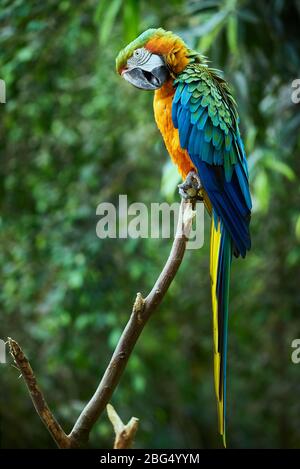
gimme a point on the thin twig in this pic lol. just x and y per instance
(124, 433)
(36, 395)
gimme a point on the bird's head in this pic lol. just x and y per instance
(152, 58)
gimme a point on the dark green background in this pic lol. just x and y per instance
(73, 134)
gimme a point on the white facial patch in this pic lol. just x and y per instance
(145, 60)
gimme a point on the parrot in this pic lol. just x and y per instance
(196, 114)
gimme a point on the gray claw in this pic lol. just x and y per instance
(191, 187)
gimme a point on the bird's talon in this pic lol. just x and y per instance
(191, 188)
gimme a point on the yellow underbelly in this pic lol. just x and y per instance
(162, 105)
(163, 115)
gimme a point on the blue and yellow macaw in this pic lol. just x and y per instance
(197, 116)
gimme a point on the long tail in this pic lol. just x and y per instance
(220, 266)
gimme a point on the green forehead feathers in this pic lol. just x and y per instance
(140, 41)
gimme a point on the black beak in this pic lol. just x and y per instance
(146, 80)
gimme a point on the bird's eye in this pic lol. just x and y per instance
(136, 53)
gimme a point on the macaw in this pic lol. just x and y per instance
(197, 117)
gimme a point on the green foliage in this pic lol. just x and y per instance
(105, 16)
(73, 135)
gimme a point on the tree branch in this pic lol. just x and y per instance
(36, 395)
(141, 312)
(124, 433)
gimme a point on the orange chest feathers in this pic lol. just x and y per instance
(163, 115)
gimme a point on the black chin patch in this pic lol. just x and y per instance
(160, 74)
(150, 78)
(145, 79)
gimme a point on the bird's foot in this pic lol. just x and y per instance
(191, 188)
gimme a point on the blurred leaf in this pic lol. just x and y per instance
(131, 19)
(105, 16)
(210, 29)
(170, 180)
(248, 15)
(297, 228)
(139, 383)
(262, 190)
(215, 21)
(114, 337)
(280, 167)
(232, 34)
(196, 6)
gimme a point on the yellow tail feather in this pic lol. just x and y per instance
(215, 239)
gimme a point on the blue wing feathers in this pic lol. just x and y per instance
(243, 182)
(210, 147)
(218, 157)
(178, 91)
(193, 140)
(175, 115)
(228, 140)
(195, 106)
(185, 130)
(202, 121)
(217, 137)
(182, 113)
(195, 116)
(199, 142)
(185, 96)
(208, 132)
(225, 200)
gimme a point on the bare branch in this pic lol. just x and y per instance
(124, 433)
(36, 395)
(141, 312)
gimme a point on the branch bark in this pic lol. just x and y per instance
(141, 312)
(22, 363)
